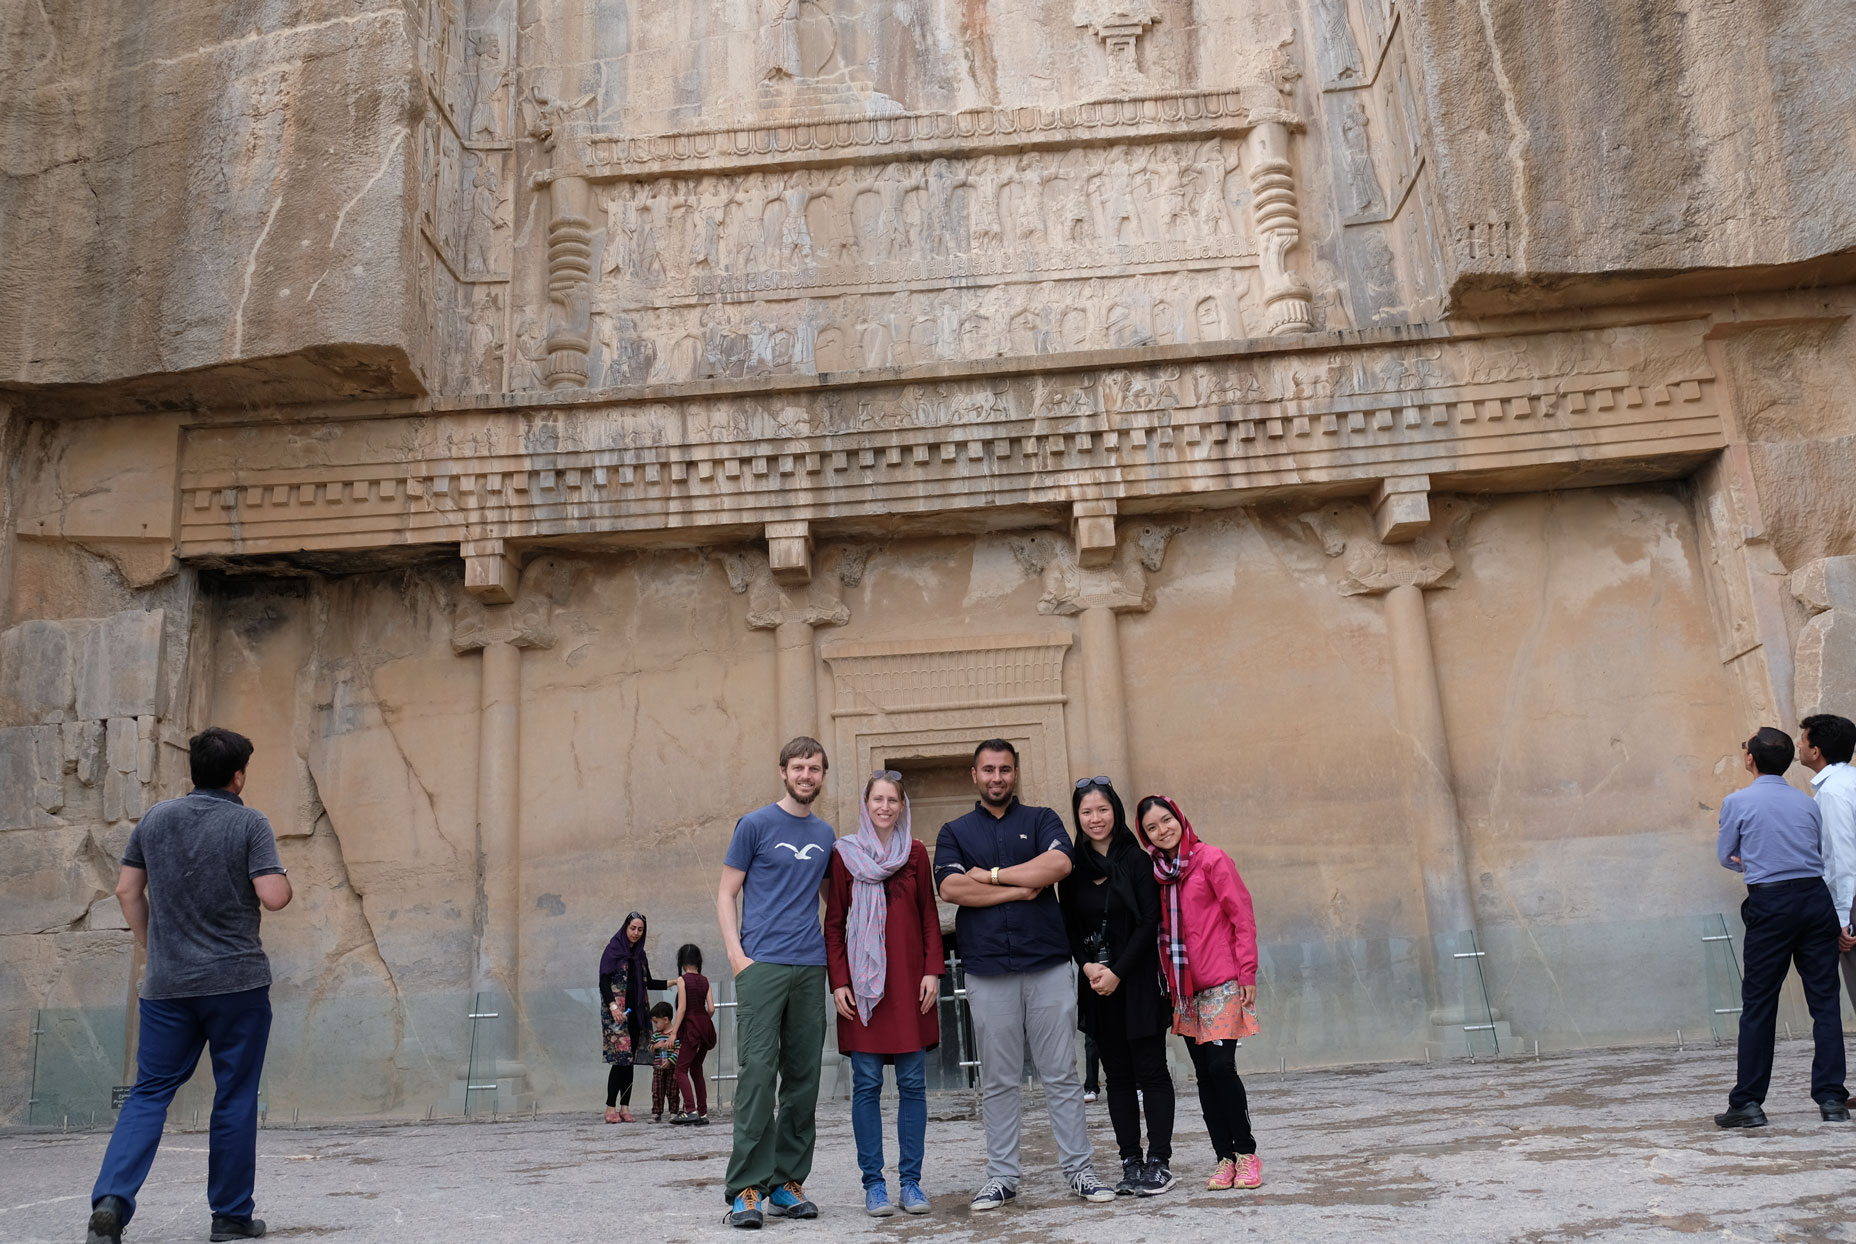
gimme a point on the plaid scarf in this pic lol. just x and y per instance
(1171, 873)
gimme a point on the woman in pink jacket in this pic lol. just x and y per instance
(1208, 953)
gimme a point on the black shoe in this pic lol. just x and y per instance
(1834, 1111)
(227, 1228)
(1749, 1115)
(1159, 1179)
(106, 1220)
(1133, 1172)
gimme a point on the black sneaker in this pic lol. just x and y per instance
(1133, 1175)
(106, 1219)
(228, 1228)
(1085, 1184)
(1157, 1179)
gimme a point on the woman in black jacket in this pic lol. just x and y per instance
(1111, 905)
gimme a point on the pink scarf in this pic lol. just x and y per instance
(871, 864)
(1171, 874)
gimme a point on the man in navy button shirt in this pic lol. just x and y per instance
(998, 864)
(1770, 831)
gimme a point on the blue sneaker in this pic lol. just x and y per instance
(913, 1202)
(876, 1201)
(789, 1201)
(746, 1212)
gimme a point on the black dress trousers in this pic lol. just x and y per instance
(1789, 923)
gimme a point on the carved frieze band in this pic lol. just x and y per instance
(1189, 430)
(919, 135)
(917, 676)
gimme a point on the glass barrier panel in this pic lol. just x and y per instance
(78, 1060)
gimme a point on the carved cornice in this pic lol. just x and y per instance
(974, 131)
(1184, 433)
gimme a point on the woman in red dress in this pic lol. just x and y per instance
(883, 953)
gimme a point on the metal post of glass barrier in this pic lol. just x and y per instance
(963, 1013)
(719, 1075)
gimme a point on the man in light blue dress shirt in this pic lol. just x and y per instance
(1771, 831)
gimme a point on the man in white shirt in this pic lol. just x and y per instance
(1825, 743)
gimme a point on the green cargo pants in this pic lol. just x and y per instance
(779, 1030)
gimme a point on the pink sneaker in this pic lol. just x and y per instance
(1224, 1176)
(1249, 1171)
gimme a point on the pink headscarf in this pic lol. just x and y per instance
(870, 864)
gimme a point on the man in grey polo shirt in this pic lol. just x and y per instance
(194, 876)
(1770, 831)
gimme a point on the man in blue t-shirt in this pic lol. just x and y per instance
(776, 864)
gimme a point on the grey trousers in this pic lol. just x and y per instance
(1011, 1012)
(1849, 974)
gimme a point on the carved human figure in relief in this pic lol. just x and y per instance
(795, 233)
(485, 351)
(1363, 188)
(1025, 216)
(985, 230)
(485, 219)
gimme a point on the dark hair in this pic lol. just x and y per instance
(1115, 805)
(802, 747)
(996, 745)
(1771, 750)
(663, 1010)
(1832, 735)
(1147, 804)
(689, 955)
(217, 755)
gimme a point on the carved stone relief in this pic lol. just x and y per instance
(1391, 253)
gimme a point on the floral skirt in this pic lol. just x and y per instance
(615, 1039)
(1215, 1014)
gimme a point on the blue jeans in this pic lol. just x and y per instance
(911, 1114)
(236, 1028)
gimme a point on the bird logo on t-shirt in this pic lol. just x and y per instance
(799, 853)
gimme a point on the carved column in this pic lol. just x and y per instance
(1401, 573)
(570, 270)
(1096, 577)
(1278, 222)
(785, 598)
(500, 632)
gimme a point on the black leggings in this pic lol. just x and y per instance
(1222, 1097)
(1136, 1064)
(619, 1086)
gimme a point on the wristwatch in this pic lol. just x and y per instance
(995, 874)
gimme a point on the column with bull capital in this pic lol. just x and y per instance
(1100, 574)
(500, 620)
(784, 597)
(1398, 552)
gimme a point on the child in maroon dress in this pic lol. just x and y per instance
(694, 1024)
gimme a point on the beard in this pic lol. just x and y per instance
(1004, 798)
(804, 800)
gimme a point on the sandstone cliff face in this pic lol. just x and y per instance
(1585, 148)
(1138, 379)
(211, 186)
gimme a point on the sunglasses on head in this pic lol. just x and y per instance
(1097, 780)
(887, 775)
